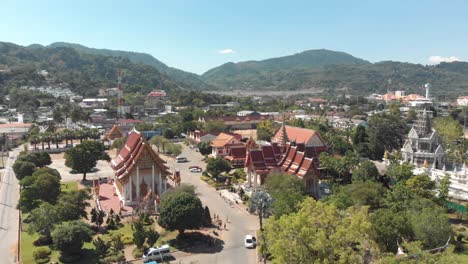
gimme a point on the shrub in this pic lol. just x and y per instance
(127, 240)
(42, 255)
(137, 252)
(117, 257)
(69, 258)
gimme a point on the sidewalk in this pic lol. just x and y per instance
(233, 199)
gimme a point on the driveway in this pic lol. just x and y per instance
(9, 194)
(240, 223)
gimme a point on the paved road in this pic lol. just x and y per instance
(240, 223)
(9, 194)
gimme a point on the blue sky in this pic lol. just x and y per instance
(196, 35)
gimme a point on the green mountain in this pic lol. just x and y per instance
(331, 70)
(186, 79)
(84, 73)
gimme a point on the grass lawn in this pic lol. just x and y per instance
(28, 248)
(69, 186)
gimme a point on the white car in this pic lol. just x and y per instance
(195, 170)
(250, 241)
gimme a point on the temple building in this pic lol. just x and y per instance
(140, 174)
(423, 146)
(287, 156)
(114, 133)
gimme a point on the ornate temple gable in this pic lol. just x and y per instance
(439, 150)
(413, 134)
(146, 160)
(135, 149)
(434, 136)
(114, 133)
(407, 147)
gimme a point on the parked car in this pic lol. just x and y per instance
(154, 254)
(196, 170)
(250, 241)
(180, 159)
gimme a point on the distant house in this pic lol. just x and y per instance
(223, 143)
(154, 102)
(198, 136)
(15, 132)
(462, 101)
(308, 137)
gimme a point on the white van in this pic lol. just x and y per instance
(159, 253)
(180, 159)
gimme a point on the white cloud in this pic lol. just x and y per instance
(439, 59)
(226, 51)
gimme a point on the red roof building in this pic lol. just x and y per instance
(114, 133)
(293, 151)
(237, 156)
(308, 137)
(139, 171)
(223, 143)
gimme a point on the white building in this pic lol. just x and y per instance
(462, 100)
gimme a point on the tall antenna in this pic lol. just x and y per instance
(119, 94)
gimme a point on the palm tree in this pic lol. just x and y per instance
(47, 138)
(57, 138)
(34, 139)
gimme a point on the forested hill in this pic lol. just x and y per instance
(84, 73)
(324, 69)
(187, 79)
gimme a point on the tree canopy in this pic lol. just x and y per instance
(83, 157)
(181, 211)
(319, 233)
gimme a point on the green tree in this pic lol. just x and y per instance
(101, 247)
(390, 227)
(97, 216)
(181, 211)
(118, 143)
(207, 217)
(40, 159)
(68, 237)
(443, 187)
(23, 169)
(386, 132)
(359, 135)
(421, 185)
(364, 193)
(151, 237)
(366, 171)
(168, 133)
(204, 147)
(430, 226)
(139, 234)
(319, 233)
(265, 130)
(400, 172)
(159, 142)
(287, 192)
(261, 203)
(83, 157)
(448, 128)
(215, 127)
(43, 220)
(72, 205)
(44, 187)
(216, 166)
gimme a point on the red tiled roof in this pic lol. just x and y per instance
(294, 167)
(128, 156)
(225, 139)
(15, 125)
(300, 135)
(157, 94)
(289, 159)
(269, 156)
